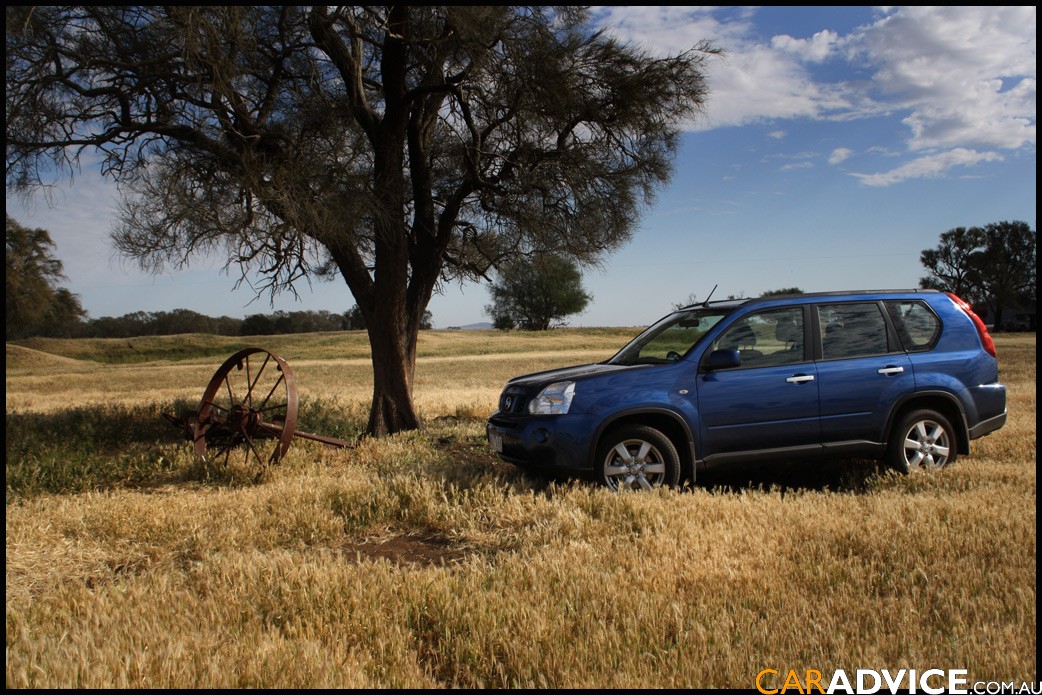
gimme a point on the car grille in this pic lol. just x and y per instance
(513, 402)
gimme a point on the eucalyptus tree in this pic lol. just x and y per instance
(399, 147)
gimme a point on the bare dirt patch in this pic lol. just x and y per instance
(423, 550)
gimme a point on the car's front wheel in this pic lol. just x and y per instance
(637, 457)
(922, 439)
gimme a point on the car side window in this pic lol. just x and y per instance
(852, 330)
(916, 325)
(767, 338)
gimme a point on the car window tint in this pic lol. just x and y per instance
(767, 338)
(916, 325)
(851, 330)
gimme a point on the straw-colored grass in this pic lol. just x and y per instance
(420, 560)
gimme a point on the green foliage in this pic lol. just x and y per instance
(954, 265)
(991, 266)
(34, 303)
(354, 320)
(537, 295)
(782, 291)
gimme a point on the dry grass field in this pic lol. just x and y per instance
(420, 560)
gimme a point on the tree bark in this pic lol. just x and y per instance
(394, 366)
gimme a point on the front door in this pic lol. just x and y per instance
(767, 406)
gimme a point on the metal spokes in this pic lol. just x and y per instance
(634, 464)
(926, 445)
(248, 410)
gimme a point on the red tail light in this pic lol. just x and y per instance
(982, 330)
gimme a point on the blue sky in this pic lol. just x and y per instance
(837, 144)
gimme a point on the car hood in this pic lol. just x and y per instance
(540, 379)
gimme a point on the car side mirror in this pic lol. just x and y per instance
(723, 359)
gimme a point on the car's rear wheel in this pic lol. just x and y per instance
(637, 457)
(923, 439)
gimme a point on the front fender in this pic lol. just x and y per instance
(671, 422)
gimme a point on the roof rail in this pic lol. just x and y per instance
(836, 293)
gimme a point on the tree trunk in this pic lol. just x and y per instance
(393, 303)
(388, 313)
(394, 363)
(997, 324)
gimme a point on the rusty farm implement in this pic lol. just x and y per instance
(249, 410)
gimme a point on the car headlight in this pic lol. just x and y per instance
(555, 399)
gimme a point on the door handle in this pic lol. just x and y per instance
(891, 370)
(800, 378)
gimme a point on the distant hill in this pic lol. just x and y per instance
(19, 357)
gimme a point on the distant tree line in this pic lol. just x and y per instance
(142, 323)
(186, 321)
(37, 307)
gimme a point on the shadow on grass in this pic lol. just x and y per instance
(116, 446)
(111, 446)
(855, 476)
(842, 475)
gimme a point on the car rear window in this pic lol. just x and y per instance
(917, 326)
(852, 330)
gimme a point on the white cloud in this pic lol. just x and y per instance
(930, 166)
(966, 75)
(815, 49)
(751, 82)
(957, 76)
(840, 154)
(960, 80)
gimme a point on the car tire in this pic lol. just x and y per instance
(922, 439)
(637, 457)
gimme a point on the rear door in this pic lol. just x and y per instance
(862, 372)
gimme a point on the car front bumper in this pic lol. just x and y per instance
(541, 441)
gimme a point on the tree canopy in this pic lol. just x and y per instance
(782, 291)
(536, 294)
(398, 147)
(991, 266)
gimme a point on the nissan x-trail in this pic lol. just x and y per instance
(910, 377)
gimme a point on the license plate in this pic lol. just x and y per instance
(495, 440)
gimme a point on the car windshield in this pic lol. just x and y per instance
(669, 339)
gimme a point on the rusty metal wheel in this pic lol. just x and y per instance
(248, 410)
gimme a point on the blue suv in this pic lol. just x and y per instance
(910, 377)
